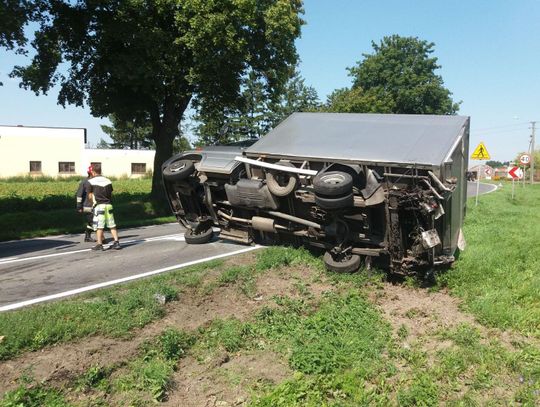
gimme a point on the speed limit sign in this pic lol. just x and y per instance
(525, 159)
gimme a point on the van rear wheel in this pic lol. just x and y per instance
(345, 264)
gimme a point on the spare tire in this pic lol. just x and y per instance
(178, 170)
(348, 264)
(274, 186)
(335, 202)
(333, 183)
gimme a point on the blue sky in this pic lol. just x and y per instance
(489, 52)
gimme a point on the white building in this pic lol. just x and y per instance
(60, 151)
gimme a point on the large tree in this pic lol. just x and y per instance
(398, 77)
(154, 58)
(257, 111)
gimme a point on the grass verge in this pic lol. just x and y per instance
(498, 276)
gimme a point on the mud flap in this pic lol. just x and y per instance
(461, 243)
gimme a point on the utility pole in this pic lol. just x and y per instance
(533, 124)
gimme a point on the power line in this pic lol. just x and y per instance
(504, 126)
(487, 133)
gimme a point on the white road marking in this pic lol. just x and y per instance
(121, 280)
(177, 236)
(495, 187)
(2, 262)
(68, 235)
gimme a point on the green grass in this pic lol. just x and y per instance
(339, 348)
(42, 208)
(279, 256)
(111, 312)
(498, 275)
(151, 371)
(35, 396)
(145, 379)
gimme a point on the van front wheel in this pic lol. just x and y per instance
(198, 238)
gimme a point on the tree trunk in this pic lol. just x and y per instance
(164, 151)
(164, 130)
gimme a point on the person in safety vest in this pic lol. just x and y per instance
(100, 191)
(85, 205)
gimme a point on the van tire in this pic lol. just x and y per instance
(178, 170)
(333, 183)
(335, 202)
(346, 265)
(198, 238)
(273, 185)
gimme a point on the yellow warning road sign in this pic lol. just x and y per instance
(480, 152)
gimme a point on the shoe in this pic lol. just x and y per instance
(97, 247)
(116, 245)
(89, 239)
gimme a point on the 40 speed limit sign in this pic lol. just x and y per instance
(525, 159)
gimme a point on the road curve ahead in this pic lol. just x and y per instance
(484, 189)
(37, 270)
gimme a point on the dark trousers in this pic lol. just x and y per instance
(89, 223)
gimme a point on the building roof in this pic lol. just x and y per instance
(385, 138)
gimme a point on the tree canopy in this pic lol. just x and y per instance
(398, 77)
(132, 133)
(256, 112)
(136, 134)
(134, 57)
(14, 14)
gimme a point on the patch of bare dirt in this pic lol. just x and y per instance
(226, 379)
(425, 313)
(62, 363)
(419, 310)
(245, 259)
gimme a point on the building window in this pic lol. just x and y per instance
(96, 167)
(35, 166)
(66, 167)
(138, 168)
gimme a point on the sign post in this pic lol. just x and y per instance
(524, 159)
(516, 173)
(479, 153)
(478, 186)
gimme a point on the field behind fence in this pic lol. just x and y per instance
(45, 207)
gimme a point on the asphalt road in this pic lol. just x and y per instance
(484, 189)
(37, 270)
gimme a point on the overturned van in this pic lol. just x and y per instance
(361, 187)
